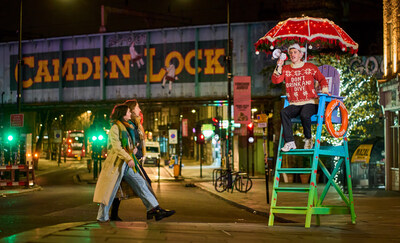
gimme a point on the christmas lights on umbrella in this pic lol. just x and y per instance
(312, 33)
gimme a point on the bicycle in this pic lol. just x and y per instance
(241, 181)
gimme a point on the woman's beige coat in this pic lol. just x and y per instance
(111, 169)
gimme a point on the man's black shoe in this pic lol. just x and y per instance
(159, 213)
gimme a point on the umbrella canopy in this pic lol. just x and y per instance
(316, 33)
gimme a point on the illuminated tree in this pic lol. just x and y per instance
(361, 98)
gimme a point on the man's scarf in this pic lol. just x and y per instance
(124, 138)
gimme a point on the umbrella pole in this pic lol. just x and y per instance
(305, 59)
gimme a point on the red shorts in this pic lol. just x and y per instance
(169, 78)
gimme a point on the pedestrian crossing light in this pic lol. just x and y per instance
(10, 137)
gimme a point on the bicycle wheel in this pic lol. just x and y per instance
(243, 183)
(221, 184)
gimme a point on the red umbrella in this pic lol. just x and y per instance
(316, 33)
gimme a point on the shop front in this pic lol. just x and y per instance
(368, 165)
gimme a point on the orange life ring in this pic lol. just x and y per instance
(328, 118)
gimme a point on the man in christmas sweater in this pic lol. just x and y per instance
(303, 99)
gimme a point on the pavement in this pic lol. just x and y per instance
(378, 214)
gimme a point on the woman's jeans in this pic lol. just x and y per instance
(139, 186)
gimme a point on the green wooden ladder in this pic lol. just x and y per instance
(314, 204)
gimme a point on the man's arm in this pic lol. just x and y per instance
(277, 76)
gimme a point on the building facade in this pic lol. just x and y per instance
(389, 90)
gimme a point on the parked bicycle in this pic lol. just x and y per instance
(230, 179)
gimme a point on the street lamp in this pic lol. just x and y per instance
(228, 63)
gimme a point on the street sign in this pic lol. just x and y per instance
(173, 136)
(17, 120)
(57, 136)
(362, 154)
(262, 124)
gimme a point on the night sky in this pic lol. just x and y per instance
(361, 19)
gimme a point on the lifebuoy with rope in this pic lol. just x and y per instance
(328, 118)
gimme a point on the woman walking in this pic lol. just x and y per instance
(119, 164)
(137, 134)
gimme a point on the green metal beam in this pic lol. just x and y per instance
(148, 87)
(196, 65)
(60, 82)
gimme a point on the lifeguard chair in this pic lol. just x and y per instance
(315, 203)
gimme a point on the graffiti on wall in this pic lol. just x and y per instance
(372, 65)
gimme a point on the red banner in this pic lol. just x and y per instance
(242, 99)
(184, 127)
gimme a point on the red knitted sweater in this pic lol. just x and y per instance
(299, 82)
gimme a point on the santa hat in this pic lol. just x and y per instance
(297, 47)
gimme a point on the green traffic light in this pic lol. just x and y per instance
(10, 138)
(94, 138)
(101, 137)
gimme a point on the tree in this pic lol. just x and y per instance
(361, 98)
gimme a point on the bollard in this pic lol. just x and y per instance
(95, 169)
(158, 165)
(89, 165)
(99, 165)
(176, 170)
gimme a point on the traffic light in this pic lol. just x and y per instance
(250, 132)
(98, 138)
(99, 143)
(200, 138)
(10, 136)
(215, 123)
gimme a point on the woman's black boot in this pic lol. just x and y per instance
(114, 210)
(159, 213)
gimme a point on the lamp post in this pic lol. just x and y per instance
(19, 89)
(228, 63)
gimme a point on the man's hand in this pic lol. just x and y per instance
(131, 163)
(326, 92)
(280, 62)
(135, 150)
